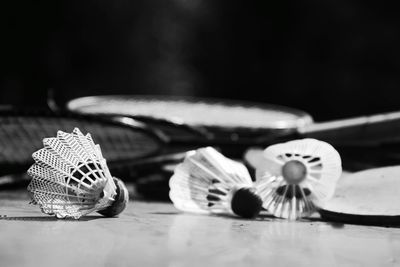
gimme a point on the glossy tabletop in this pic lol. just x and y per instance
(155, 234)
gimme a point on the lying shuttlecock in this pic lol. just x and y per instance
(297, 177)
(207, 182)
(70, 178)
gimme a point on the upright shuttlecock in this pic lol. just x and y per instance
(207, 182)
(297, 177)
(70, 178)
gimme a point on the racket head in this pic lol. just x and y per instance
(22, 133)
(201, 120)
(367, 197)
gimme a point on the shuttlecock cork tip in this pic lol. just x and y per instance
(294, 172)
(120, 202)
(246, 203)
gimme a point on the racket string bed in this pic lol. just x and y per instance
(22, 134)
(208, 122)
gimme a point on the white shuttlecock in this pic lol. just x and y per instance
(297, 177)
(208, 182)
(70, 178)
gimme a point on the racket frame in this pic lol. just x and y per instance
(206, 134)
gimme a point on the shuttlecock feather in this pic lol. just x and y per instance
(296, 177)
(70, 178)
(207, 182)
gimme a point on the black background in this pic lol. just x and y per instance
(332, 59)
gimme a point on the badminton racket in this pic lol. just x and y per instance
(22, 132)
(235, 123)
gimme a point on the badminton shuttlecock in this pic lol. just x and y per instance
(208, 182)
(297, 177)
(70, 178)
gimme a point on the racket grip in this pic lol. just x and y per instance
(368, 130)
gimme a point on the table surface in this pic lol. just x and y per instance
(155, 234)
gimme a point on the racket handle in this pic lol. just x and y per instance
(367, 130)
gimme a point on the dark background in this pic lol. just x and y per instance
(331, 58)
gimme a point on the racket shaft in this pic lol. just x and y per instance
(375, 129)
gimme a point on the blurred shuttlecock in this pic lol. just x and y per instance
(297, 177)
(208, 182)
(70, 178)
